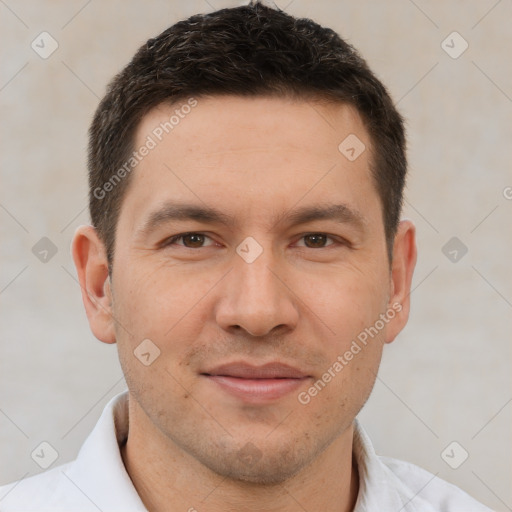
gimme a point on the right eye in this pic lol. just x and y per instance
(191, 240)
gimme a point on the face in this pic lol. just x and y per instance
(251, 252)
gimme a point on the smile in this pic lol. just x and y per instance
(257, 384)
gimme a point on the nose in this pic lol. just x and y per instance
(257, 298)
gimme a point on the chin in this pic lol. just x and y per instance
(269, 466)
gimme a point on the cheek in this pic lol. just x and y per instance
(349, 304)
(160, 313)
(338, 395)
(351, 307)
(153, 301)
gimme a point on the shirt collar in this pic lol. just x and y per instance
(99, 470)
(109, 486)
(375, 493)
(379, 487)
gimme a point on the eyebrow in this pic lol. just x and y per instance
(170, 212)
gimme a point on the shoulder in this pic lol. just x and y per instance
(51, 490)
(425, 487)
(95, 480)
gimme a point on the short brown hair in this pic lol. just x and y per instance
(246, 51)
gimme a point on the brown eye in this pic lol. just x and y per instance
(316, 240)
(193, 240)
(189, 241)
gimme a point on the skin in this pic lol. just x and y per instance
(299, 302)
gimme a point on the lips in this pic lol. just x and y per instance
(256, 384)
(246, 371)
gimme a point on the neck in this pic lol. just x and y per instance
(167, 478)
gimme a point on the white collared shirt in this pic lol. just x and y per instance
(97, 480)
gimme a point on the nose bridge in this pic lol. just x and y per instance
(254, 282)
(255, 279)
(255, 299)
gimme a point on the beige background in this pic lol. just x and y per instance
(446, 378)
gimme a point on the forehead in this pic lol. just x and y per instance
(216, 124)
(252, 155)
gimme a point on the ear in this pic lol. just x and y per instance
(91, 263)
(402, 268)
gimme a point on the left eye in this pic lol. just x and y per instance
(316, 240)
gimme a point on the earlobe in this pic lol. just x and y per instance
(91, 264)
(402, 269)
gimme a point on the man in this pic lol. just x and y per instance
(247, 256)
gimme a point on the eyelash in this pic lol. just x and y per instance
(170, 241)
